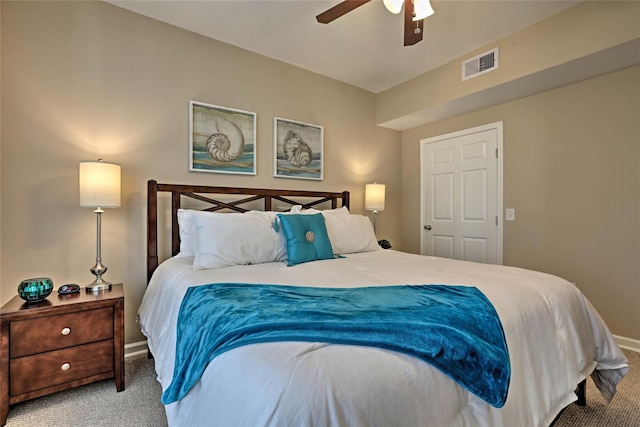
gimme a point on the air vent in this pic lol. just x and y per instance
(480, 64)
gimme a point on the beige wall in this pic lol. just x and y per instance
(0, 147)
(82, 80)
(572, 45)
(572, 172)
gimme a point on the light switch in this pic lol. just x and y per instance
(511, 214)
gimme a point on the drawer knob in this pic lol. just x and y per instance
(65, 366)
(66, 331)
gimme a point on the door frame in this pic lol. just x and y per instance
(423, 145)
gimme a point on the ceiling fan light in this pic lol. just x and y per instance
(421, 9)
(393, 6)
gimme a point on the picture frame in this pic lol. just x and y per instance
(298, 149)
(221, 139)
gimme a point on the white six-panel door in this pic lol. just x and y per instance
(461, 190)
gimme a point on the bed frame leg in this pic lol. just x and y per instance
(581, 392)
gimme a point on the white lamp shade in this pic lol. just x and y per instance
(374, 197)
(393, 6)
(422, 9)
(99, 184)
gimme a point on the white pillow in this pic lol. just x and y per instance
(281, 245)
(187, 232)
(297, 209)
(350, 233)
(226, 239)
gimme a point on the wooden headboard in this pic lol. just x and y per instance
(198, 192)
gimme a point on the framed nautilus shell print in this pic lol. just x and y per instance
(298, 149)
(222, 140)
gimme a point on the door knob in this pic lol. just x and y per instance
(427, 227)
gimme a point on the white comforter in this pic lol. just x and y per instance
(554, 335)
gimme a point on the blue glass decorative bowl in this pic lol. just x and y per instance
(34, 290)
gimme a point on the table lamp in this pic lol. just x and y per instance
(99, 188)
(374, 201)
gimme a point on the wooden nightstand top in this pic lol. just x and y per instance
(17, 308)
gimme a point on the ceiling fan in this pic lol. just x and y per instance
(414, 13)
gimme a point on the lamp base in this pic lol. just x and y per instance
(98, 285)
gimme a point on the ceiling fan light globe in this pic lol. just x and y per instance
(422, 9)
(393, 6)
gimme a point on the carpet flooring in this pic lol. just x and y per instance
(98, 404)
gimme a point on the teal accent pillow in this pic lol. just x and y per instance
(306, 237)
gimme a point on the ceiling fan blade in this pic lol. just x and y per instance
(412, 29)
(338, 10)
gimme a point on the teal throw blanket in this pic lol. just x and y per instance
(454, 328)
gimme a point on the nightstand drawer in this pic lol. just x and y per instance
(54, 332)
(61, 366)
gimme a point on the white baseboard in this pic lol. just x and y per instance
(628, 343)
(135, 349)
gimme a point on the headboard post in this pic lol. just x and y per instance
(152, 227)
(345, 199)
(175, 230)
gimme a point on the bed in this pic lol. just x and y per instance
(553, 338)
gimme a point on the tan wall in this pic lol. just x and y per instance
(578, 32)
(0, 143)
(82, 80)
(572, 172)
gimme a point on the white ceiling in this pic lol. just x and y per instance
(363, 48)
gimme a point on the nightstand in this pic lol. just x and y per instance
(62, 342)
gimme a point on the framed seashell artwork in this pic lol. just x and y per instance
(298, 149)
(221, 139)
